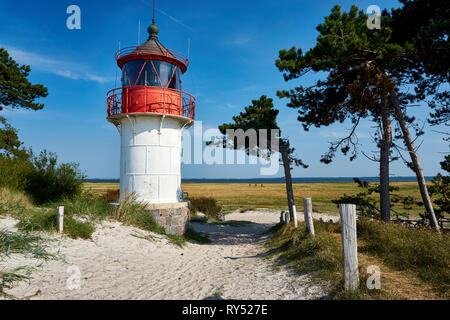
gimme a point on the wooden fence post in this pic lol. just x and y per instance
(349, 246)
(286, 217)
(307, 207)
(294, 209)
(60, 219)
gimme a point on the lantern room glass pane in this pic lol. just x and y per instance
(142, 73)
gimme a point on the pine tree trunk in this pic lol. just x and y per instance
(288, 179)
(415, 161)
(385, 148)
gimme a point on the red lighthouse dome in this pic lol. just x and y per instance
(151, 82)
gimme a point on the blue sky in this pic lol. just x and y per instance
(233, 46)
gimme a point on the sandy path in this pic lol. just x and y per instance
(117, 264)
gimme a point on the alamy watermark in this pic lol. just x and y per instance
(229, 149)
(374, 20)
(74, 280)
(374, 281)
(74, 20)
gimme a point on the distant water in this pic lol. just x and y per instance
(281, 180)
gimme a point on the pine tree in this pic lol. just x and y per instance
(441, 189)
(16, 92)
(262, 115)
(364, 72)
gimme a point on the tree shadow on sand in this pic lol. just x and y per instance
(222, 234)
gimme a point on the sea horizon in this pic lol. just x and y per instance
(279, 180)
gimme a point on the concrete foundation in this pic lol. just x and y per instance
(173, 217)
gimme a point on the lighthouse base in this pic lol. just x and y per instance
(173, 217)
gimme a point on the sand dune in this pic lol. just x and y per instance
(119, 264)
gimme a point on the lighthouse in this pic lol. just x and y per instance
(150, 110)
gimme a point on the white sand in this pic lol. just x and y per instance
(118, 265)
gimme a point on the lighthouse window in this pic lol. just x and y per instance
(142, 73)
(139, 73)
(168, 74)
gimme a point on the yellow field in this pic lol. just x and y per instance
(273, 196)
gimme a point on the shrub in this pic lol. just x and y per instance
(111, 195)
(51, 182)
(441, 189)
(206, 205)
(14, 172)
(78, 229)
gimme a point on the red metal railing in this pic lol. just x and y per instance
(146, 50)
(151, 100)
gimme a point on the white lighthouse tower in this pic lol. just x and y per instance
(150, 110)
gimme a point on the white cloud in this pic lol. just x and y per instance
(232, 106)
(238, 40)
(66, 69)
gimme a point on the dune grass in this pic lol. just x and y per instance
(15, 198)
(87, 205)
(243, 196)
(133, 213)
(23, 243)
(81, 214)
(9, 278)
(20, 243)
(39, 220)
(320, 256)
(421, 255)
(422, 251)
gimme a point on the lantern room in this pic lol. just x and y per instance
(151, 82)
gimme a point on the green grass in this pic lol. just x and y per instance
(46, 221)
(15, 197)
(86, 205)
(422, 251)
(23, 243)
(133, 213)
(91, 208)
(9, 279)
(130, 212)
(218, 292)
(320, 256)
(20, 243)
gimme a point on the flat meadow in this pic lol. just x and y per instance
(244, 196)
